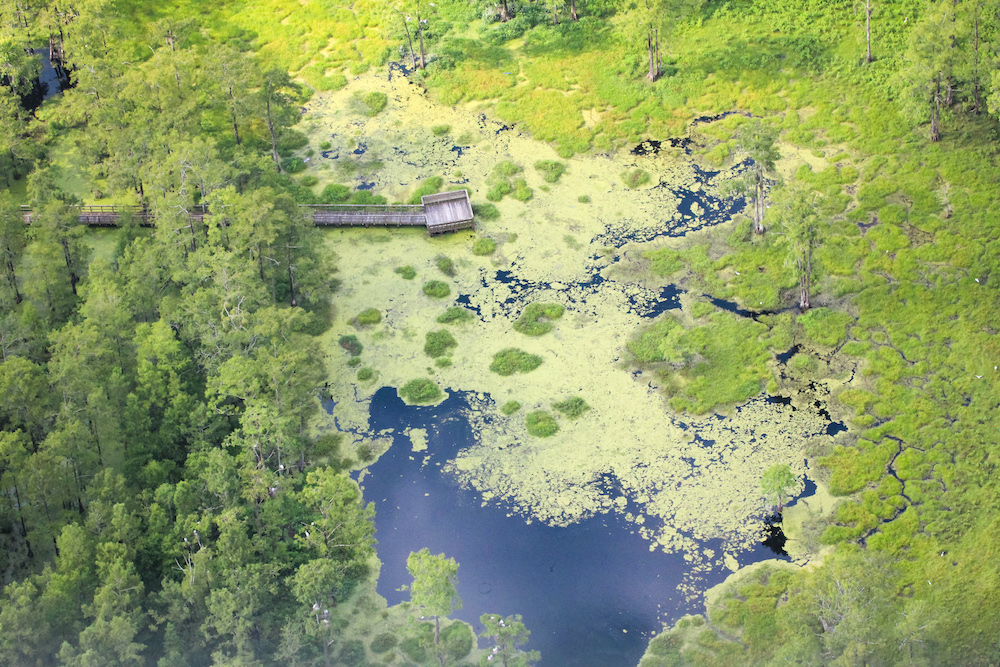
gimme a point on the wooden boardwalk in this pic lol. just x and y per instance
(439, 213)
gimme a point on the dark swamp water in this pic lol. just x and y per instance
(591, 593)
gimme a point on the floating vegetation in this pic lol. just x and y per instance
(351, 344)
(634, 178)
(541, 424)
(439, 343)
(513, 360)
(454, 315)
(572, 407)
(537, 318)
(407, 272)
(365, 374)
(420, 391)
(510, 407)
(369, 316)
(483, 246)
(446, 265)
(550, 170)
(437, 289)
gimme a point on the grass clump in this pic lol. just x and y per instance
(420, 391)
(354, 362)
(484, 246)
(550, 170)
(325, 146)
(446, 266)
(439, 343)
(521, 190)
(428, 186)
(383, 643)
(510, 407)
(537, 318)
(541, 424)
(583, 199)
(454, 315)
(369, 316)
(443, 362)
(512, 360)
(499, 190)
(374, 102)
(406, 272)
(365, 374)
(440, 130)
(634, 178)
(825, 326)
(308, 181)
(351, 344)
(506, 169)
(436, 289)
(572, 407)
(485, 211)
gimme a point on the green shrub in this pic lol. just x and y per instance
(420, 390)
(439, 343)
(354, 362)
(572, 407)
(441, 130)
(485, 211)
(407, 272)
(635, 178)
(369, 316)
(375, 102)
(365, 374)
(428, 186)
(446, 266)
(437, 289)
(443, 362)
(308, 181)
(536, 318)
(499, 190)
(383, 643)
(506, 169)
(513, 360)
(454, 315)
(583, 199)
(484, 246)
(521, 190)
(335, 193)
(325, 146)
(541, 424)
(414, 649)
(457, 640)
(550, 170)
(352, 653)
(351, 344)
(292, 165)
(510, 407)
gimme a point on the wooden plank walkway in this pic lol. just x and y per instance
(439, 213)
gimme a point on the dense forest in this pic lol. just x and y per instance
(170, 498)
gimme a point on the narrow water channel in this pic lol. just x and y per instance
(591, 593)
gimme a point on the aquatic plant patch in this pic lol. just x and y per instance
(439, 343)
(455, 315)
(510, 407)
(446, 265)
(513, 360)
(436, 289)
(537, 318)
(406, 272)
(550, 170)
(369, 316)
(483, 246)
(420, 391)
(572, 407)
(541, 424)
(351, 344)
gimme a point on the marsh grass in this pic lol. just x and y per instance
(428, 186)
(512, 360)
(537, 318)
(440, 130)
(373, 103)
(365, 374)
(572, 407)
(486, 211)
(483, 246)
(635, 178)
(439, 343)
(541, 424)
(455, 315)
(368, 317)
(351, 344)
(436, 289)
(445, 265)
(420, 391)
(510, 407)
(406, 272)
(550, 170)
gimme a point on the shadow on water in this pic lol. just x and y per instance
(591, 593)
(48, 84)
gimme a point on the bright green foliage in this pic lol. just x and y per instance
(572, 407)
(824, 326)
(406, 272)
(374, 102)
(510, 407)
(777, 484)
(420, 391)
(541, 424)
(512, 360)
(550, 170)
(521, 190)
(429, 186)
(369, 316)
(536, 319)
(454, 315)
(483, 246)
(507, 636)
(436, 289)
(439, 343)
(506, 168)
(433, 587)
(583, 199)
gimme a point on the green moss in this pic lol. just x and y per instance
(454, 315)
(446, 266)
(513, 360)
(369, 316)
(572, 407)
(634, 178)
(420, 391)
(437, 289)
(536, 319)
(510, 407)
(550, 170)
(541, 424)
(407, 272)
(825, 326)
(803, 363)
(439, 343)
(351, 344)
(484, 246)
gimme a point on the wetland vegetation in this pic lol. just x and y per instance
(753, 242)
